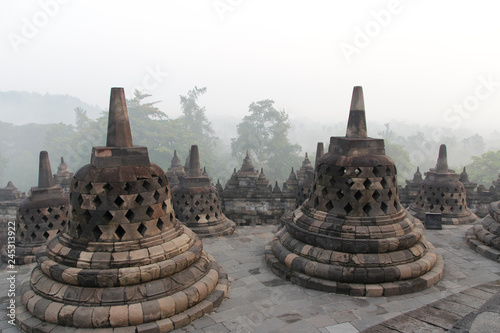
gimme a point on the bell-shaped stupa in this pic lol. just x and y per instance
(484, 236)
(41, 215)
(175, 171)
(197, 203)
(352, 236)
(63, 176)
(442, 192)
(124, 262)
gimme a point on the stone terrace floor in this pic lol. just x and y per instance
(259, 301)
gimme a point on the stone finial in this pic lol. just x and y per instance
(442, 162)
(204, 173)
(194, 162)
(356, 125)
(320, 150)
(276, 188)
(119, 133)
(176, 162)
(186, 164)
(45, 179)
(417, 175)
(292, 175)
(10, 184)
(464, 177)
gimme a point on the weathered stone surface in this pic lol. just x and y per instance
(352, 229)
(197, 203)
(123, 261)
(442, 192)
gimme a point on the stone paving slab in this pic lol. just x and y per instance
(259, 301)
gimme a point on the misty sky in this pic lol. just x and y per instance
(423, 61)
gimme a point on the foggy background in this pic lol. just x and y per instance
(425, 66)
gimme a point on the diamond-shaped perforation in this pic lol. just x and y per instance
(32, 218)
(164, 206)
(142, 229)
(50, 210)
(329, 205)
(46, 235)
(342, 171)
(340, 194)
(37, 227)
(196, 203)
(383, 182)
(87, 216)
(127, 187)
(160, 224)
(389, 171)
(89, 187)
(80, 200)
(197, 218)
(33, 236)
(367, 209)
(316, 202)
(107, 187)
(119, 201)
(389, 194)
(349, 182)
(50, 225)
(96, 232)
(207, 217)
(367, 183)
(358, 195)
(120, 232)
(160, 181)
(441, 208)
(79, 230)
(146, 185)
(97, 201)
(130, 215)
(324, 192)
(156, 196)
(45, 218)
(150, 211)
(358, 171)
(375, 195)
(348, 208)
(377, 172)
(139, 199)
(63, 223)
(384, 207)
(107, 216)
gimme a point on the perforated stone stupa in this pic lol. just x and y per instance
(197, 203)
(41, 215)
(442, 192)
(175, 171)
(352, 236)
(484, 236)
(306, 176)
(124, 262)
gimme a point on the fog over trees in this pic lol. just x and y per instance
(275, 142)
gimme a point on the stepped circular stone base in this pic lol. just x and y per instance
(446, 219)
(286, 269)
(220, 228)
(27, 322)
(479, 239)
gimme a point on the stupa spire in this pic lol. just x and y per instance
(119, 133)
(442, 162)
(45, 179)
(356, 125)
(320, 150)
(194, 162)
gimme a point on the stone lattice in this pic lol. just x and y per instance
(484, 236)
(442, 192)
(123, 262)
(352, 235)
(197, 203)
(41, 215)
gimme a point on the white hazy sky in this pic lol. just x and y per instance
(419, 61)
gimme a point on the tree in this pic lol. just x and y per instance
(264, 132)
(401, 159)
(485, 168)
